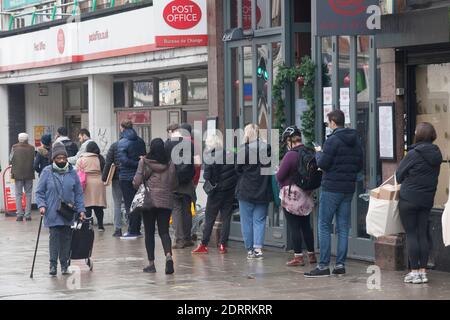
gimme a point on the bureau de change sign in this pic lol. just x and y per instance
(347, 17)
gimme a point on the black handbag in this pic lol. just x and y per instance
(65, 210)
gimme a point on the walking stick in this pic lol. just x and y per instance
(37, 243)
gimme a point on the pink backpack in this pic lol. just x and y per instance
(296, 201)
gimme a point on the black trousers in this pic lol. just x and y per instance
(415, 222)
(135, 220)
(223, 202)
(98, 213)
(162, 217)
(300, 225)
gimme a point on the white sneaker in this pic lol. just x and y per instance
(250, 255)
(413, 277)
(424, 277)
(259, 254)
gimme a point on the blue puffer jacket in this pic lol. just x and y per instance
(130, 148)
(341, 160)
(49, 190)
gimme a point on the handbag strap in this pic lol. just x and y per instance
(57, 189)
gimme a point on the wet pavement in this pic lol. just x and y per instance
(118, 264)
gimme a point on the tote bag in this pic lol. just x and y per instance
(446, 223)
(383, 217)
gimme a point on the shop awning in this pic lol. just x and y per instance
(414, 28)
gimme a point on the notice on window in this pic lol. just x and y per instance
(326, 110)
(386, 131)
(327, 95)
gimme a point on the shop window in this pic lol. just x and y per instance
(433, 106)
(119, 95)
(74, 98)
(170, 92)
(196, 116)
(142, 93)
(197, 89)
(302, 11)
(248, 85)
(302, 46)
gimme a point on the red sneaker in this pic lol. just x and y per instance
(200, 249)
(222, 249)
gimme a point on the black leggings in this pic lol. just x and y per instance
(162, 217)
(415, 222)
(98, 213)
(299, 225)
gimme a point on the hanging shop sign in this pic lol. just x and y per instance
(180, 23)
(348, 17)
(132, 32)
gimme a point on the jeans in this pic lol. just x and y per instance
(300, 225)
(59, 245)
(98, 213)
(415, 222)
(135, 219)
(162, 217)
(117, 199)
(223, 202)
(331, 204)
(182, 218)
(20, 186)
(253, 223)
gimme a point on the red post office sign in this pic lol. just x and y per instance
(181, 23)
(182, 14)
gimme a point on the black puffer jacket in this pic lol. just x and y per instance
(223, 175)
(418, 174)
(112, 157)
(341, 160)
(129, 148)
(253, 186)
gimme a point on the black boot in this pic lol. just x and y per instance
(52, 270)
(169, 264)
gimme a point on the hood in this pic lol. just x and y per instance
(346, 135)
(43, 151)
(129, 134)
(430, 152)
(156, 166)
(89, 154)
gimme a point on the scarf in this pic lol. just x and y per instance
(60, 170)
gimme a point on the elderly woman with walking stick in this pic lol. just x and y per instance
(59, 197)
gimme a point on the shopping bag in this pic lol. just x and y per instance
(82, 175)
(383, 217)
(139, 198)
(446, 224)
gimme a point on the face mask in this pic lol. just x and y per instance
(61, 164)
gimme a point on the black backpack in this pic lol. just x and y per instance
(308, 176)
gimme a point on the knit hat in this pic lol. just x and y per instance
(23, 137)
(58, 149)
(46, 139)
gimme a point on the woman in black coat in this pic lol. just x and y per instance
(418, 174)
(221, 174)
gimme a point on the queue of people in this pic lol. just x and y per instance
(170, 189)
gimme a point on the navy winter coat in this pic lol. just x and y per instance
(222, 174)
(418, 174)
(130, 148)
(340, 160)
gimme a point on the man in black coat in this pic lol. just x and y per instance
(341, 160)
(112, 157)
(130, 148)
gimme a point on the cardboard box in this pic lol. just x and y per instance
(386, 192)
(389, 191)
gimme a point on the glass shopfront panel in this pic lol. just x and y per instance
(433, 104)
